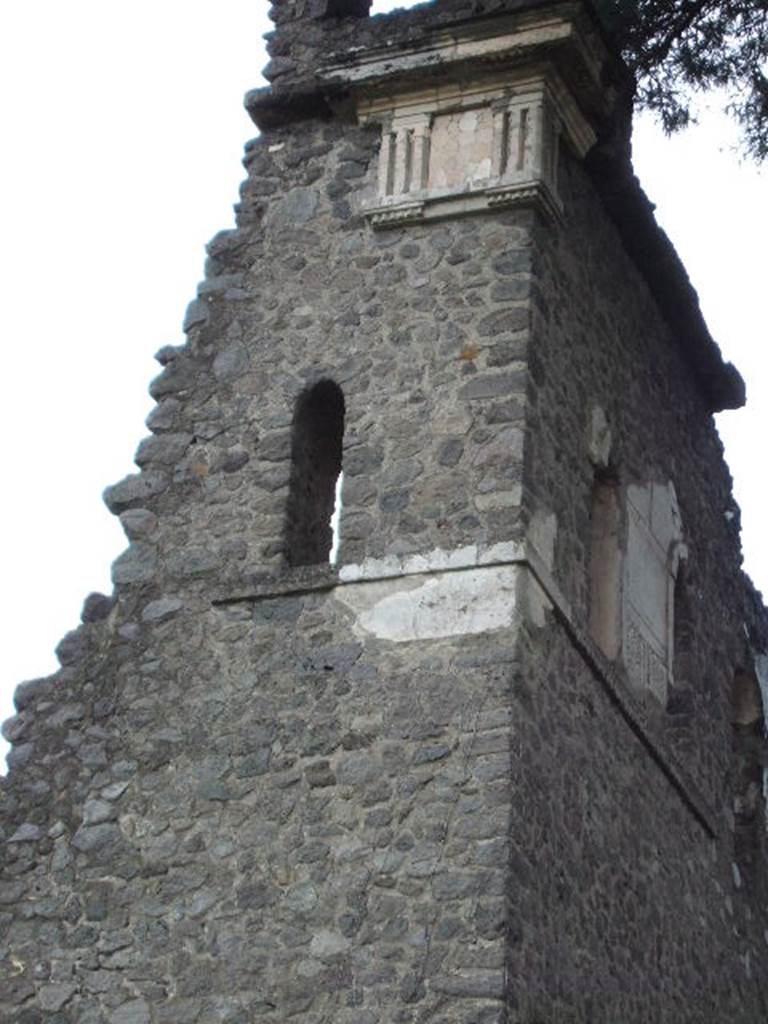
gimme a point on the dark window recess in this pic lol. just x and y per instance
(682, 685)
(684, 647)
(316, 450)
(749, 749)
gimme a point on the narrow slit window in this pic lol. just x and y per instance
(683, 648)
(748, 745)
(316, 454)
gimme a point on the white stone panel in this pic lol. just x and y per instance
(434, 606)
(460, 149)
(647, 581)
(433, 561)
(654, 535)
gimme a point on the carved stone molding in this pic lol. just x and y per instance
(466, 147)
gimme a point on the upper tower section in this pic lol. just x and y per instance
(472, 115)
(474, 103)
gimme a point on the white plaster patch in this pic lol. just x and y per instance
(430, 607)
(437, 560)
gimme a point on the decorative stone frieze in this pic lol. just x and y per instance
(460, 148)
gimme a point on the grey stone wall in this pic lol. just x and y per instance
(271, 821)
(624, 906)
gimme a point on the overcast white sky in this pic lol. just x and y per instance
(123, 130)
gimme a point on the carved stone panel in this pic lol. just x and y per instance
(654, 536)
(465, 147)
(461, 149)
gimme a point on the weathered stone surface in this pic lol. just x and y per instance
(297, 207)
(21, 754)
(134, 490)
(29, 691)
(514, 318)
(96, 837)
(163, 449)
(138, 523)
(231, 362)
(161, 609)
(97, 607)
(136, 565)
(72, 648)
(13, 728)
(493, 385)
(196, 314)
(97, 811)
(54, 997)
(164, 414)
(135, 1012)
(26, 833)
(480, 984)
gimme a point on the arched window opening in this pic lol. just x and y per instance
(316, 453)
(683, 652)
(605, 566)
(748, 736)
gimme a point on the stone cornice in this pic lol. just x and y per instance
(485, 44)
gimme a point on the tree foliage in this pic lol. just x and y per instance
(678, 48)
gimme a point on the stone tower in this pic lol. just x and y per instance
(498, 758)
